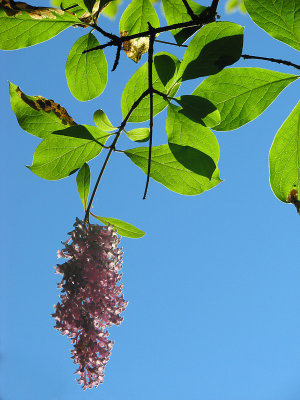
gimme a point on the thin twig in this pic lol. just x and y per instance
(275, 60)
(172, 44)
(150, 88)
(67, 8)
(117, 59)
(189, 10)
(111, 149)
(163, 95)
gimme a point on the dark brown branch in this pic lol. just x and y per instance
(206, 17)
(190, 11)
(275, 60)
(163, 95)
(214, 6)
(117, 59)
(104, 33)
(150, 88)
(111, 149)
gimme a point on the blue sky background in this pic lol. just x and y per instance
(213, 288)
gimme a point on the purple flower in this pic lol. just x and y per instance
(91, 298)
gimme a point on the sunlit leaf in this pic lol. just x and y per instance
(112, 8)
(83, 181)
(37, 115)
(22, 25)
(185, 132)
(135, 19)
(86, 73)
(165, 67)
(199, 110)
(175, 13)
(242, 94)
(284, 160)
(198, 174)
(65, 151)
(214, 47)
(123, 228)
(279, 18)
(138, 134)
(101, 120)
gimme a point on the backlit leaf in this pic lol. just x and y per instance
(199, 110)
(185, 132)
(123, 228)
(83, 181)
(242, 94)
(135, 19)
(284, 160)
(86, 73)
(138, 134)
(165, 67)
(37, 115)
(62, 153)
(214, 47)
(175, 13)
(279, 18)
(22, 25)
(101, 120)
(198, 174)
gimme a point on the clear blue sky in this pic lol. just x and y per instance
(213, 288)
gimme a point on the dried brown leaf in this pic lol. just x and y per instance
(135, 48)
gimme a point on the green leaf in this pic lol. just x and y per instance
(242, 94)
(175, 13)
(123, 228)
(139, 134)
(135, 20)
(22, 25)
(284, 158)
(86, 73)
(279, 18)
(136, 16)
(102, 121)
(184, 132)
(199, 110)
(86, 4)
(198, 174)
(231, 5)
(214, 47)
(83, 181)
(165, 67)
(112, 8)
(62, 153)
(37, 115)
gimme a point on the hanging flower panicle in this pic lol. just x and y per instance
(91, 298)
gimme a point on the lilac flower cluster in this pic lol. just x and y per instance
(91, 298)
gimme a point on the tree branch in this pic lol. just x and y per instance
(206, 17)
(150, 88)
(117, 59)
(275, 60)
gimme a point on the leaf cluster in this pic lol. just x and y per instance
(225, 100)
